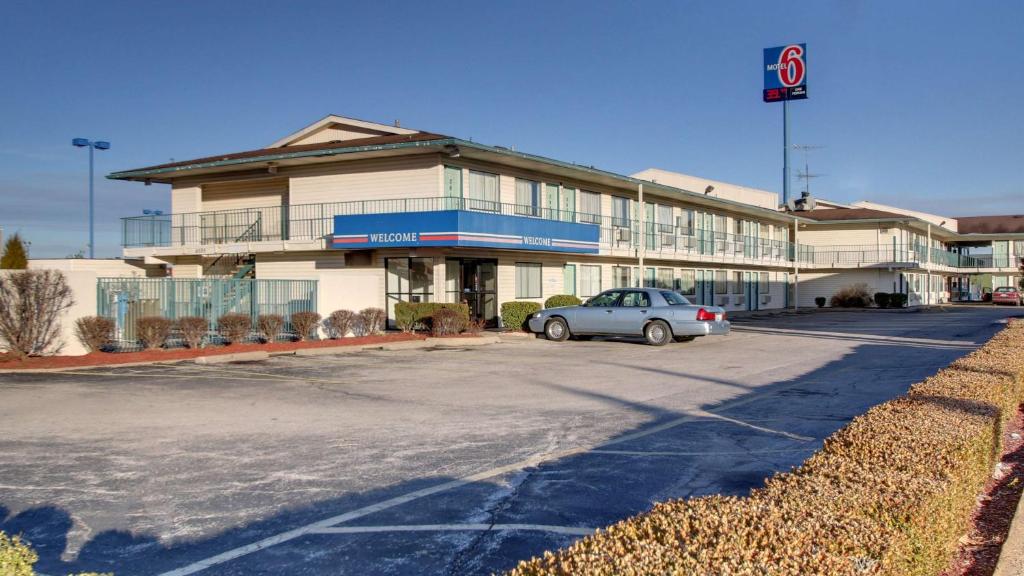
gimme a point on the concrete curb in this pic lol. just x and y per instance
(239, 357)
(403, 345)
(471, 341)
(1011, 557)
(94, 366)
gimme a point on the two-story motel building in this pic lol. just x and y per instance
(379, 214)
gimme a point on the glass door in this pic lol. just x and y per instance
(474, 283)
(452, 187)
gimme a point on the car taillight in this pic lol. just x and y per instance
(705, 316)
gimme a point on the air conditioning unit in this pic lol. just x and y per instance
(766, 298)
(723, 300)
(741, 300)
(668, 240)
(623, 234)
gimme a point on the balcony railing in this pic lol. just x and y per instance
(316, 221)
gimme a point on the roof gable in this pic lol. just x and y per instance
(334, 128)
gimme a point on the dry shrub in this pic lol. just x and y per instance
(31, 303)
(476, 326)
(269, 326)
(370, 321)
(891, 493)
(153, 331)
(234, 327)
(304, 323)
(193, 329)
(94, 331)
(855, 296)
(339, 323)
(446, 322)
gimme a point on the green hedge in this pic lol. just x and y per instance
(560, 300)
(882, 299)
(897, 300)
(411, 316)
(515, 313)
(889, 494)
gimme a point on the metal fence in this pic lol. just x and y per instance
(125, 300)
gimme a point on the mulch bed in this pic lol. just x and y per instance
(979, 549)
(8, 362)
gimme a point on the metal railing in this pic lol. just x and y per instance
(853, 255)
(125, 300)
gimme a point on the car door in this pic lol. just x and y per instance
(633, 311)
(597, 314)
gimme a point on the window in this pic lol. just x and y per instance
(686, 223)
(528, 284)
(649, 277)
(737, 283)
(720, 232)
(674, 299)
(569, 279)
(636, 276)
(590, 280)
(527, 197)
(665, 278)
(605, 299)
(620, 211)
(762, 284)
(408, 280)
(665, 223)
(483, 191)
(721, 282)
(590, 207)
(635, 300)
(620, 277)
(687, 282)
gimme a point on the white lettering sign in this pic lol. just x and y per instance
(536, 241)
(393, 237)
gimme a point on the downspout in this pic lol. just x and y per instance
(796, 265)
(928, 266)
(643, 235)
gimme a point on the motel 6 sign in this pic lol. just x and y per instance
(785, 73)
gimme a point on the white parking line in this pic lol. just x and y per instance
(450, 485)
(722, 453)
(570, 530)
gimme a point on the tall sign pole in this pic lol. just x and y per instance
(785, 79)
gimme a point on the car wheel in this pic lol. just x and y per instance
(685, 338)
(657, 333)
(556, 330)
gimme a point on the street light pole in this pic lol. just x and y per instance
(92, 145)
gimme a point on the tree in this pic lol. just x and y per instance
(31, 303)
(15, 255)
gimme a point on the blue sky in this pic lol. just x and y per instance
(916, 103)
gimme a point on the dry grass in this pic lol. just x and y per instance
(891, 493)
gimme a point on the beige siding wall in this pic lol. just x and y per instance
(385, 178)
(245, 194)
(186, 198)
(332, 133)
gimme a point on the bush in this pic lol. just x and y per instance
(193, 329)
(820, 301)
(371, 321)
(898, 300)
(17, 558)
(339, 323)
(304, 323)
(268, 326)
(475, 327)
(560, 300)
(153, 331)
(882, 299)
(31, 303)
(411, 316)
(515, 313)
(891, 493)
(234, 327)
(446, 322)
(94, 331)
(855, 296)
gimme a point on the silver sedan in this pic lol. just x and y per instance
(657, 315)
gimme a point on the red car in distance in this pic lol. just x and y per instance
(1007, 295)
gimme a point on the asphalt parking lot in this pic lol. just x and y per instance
(441, 461)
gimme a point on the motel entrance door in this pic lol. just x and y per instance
(474, 282)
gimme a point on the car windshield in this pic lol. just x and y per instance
(1005, 289)
(675, 298)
